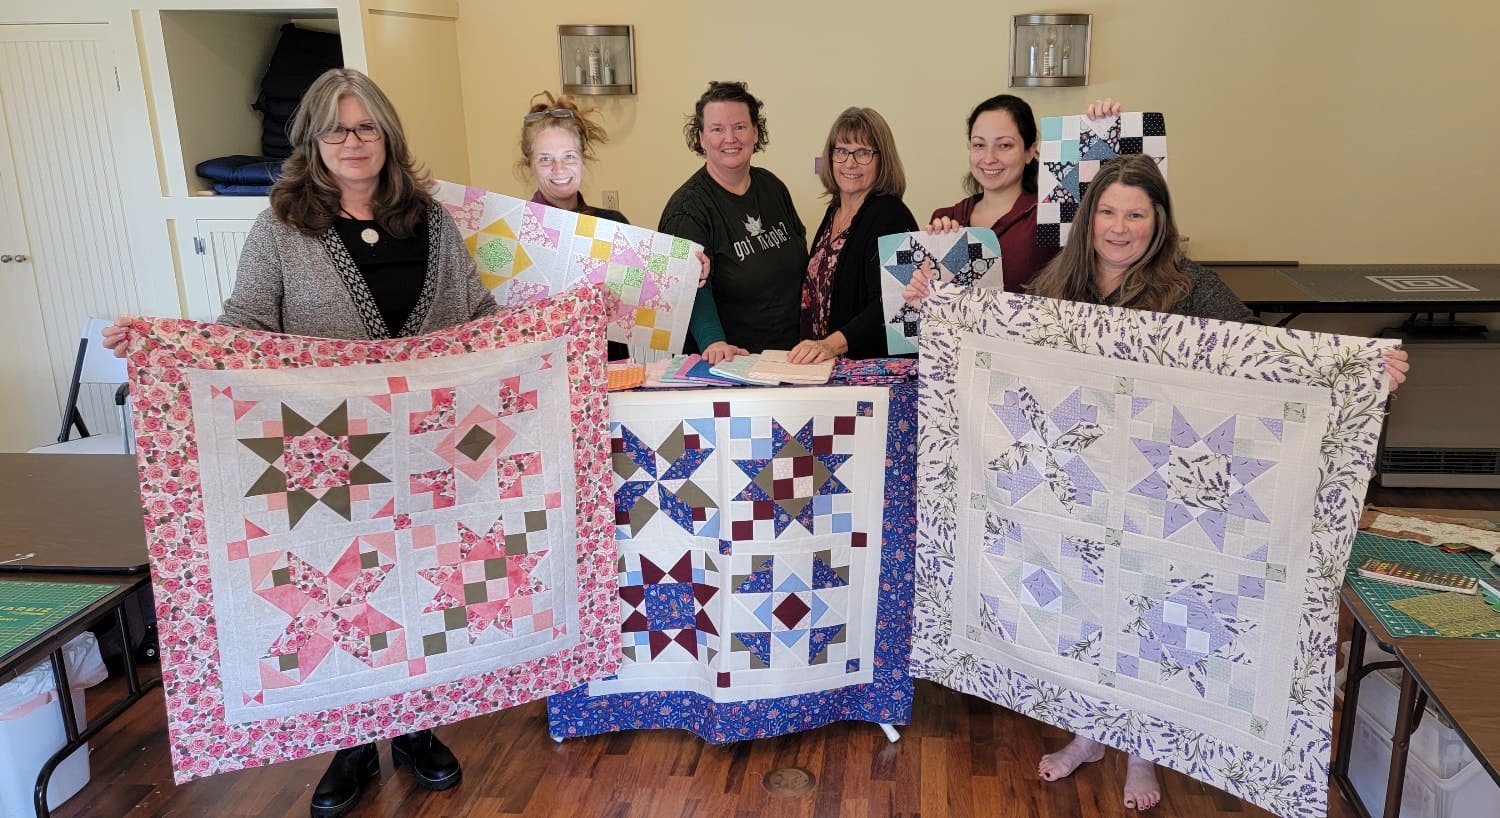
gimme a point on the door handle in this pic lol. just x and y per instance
(5, 259)
(20, 258)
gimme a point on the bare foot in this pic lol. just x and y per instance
(1062, 763)
(1141, 788)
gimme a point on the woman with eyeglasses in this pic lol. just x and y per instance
(353, 246)
(557, 141)
(745, 218)
(863, 178)
(1001, 184)
(557, 138)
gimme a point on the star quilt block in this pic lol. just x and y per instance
(1133, 526)
(1072, 148)
(968, 257)
(526, 251)
(351, 540)
(766, 545)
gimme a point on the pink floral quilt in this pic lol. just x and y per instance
(351, 540)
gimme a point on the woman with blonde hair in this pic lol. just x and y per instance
(557, 142)
(863, 178)
(557, 139)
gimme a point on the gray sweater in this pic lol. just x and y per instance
(308, 285)
(1210, 297)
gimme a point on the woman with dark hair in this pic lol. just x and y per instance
(353, 246)
(1002, 183)
(745, 219)
(863, 178)
(1123, 251)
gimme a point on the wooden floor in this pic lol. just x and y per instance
(960, 757)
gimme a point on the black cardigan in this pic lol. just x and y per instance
(854, 297)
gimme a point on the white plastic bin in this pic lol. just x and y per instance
(31, 729)
(1443, 779)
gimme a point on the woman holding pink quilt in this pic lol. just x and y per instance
(354, 247)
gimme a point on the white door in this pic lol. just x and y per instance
(217, 244)
(30, 411)
(64, 210)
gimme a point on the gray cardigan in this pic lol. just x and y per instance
(297, 284)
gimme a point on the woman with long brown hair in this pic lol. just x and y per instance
(353, 246)
(1124, 251)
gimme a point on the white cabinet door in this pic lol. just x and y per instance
(30, 411)
(64, 210)
(217, 246)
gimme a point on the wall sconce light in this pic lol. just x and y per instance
(597, 59)
(1050, 50)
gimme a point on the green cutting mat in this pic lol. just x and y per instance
(29, 608)
(1379, 595)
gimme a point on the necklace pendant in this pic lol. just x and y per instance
(369, 235)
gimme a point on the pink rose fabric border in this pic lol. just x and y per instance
(351, 540)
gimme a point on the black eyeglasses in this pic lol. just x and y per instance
(537, 116)
(860, 157)
(364, 132)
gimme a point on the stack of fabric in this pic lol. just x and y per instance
(240, 175)
(300, 57)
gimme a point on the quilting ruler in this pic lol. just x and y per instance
(1379, 595)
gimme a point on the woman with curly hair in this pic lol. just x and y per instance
(745, 218)
(557, 143)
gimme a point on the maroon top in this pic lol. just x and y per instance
(1020, 257)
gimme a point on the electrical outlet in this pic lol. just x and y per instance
(611, 199)
(817, 164)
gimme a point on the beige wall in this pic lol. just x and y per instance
(1311, 130)
(412, 47)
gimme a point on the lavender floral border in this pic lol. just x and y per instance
(1294, 784)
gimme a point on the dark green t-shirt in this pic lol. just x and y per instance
(757, 249)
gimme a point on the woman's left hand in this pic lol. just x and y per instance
(116, 336)
(703, 273)
(813, 352)
(1101, 108)
(1396, 366)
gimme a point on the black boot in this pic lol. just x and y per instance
(431, 761)
(339, 788)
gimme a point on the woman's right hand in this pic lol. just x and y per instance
(918, 288)
(943, 224)
(117, 336)
(720, 351)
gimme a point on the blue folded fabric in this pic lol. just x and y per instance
(241, 190)
(240, 170)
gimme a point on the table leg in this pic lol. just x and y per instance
(1352, 677)
(78, 738)
(70, 729)
(1400, 745)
